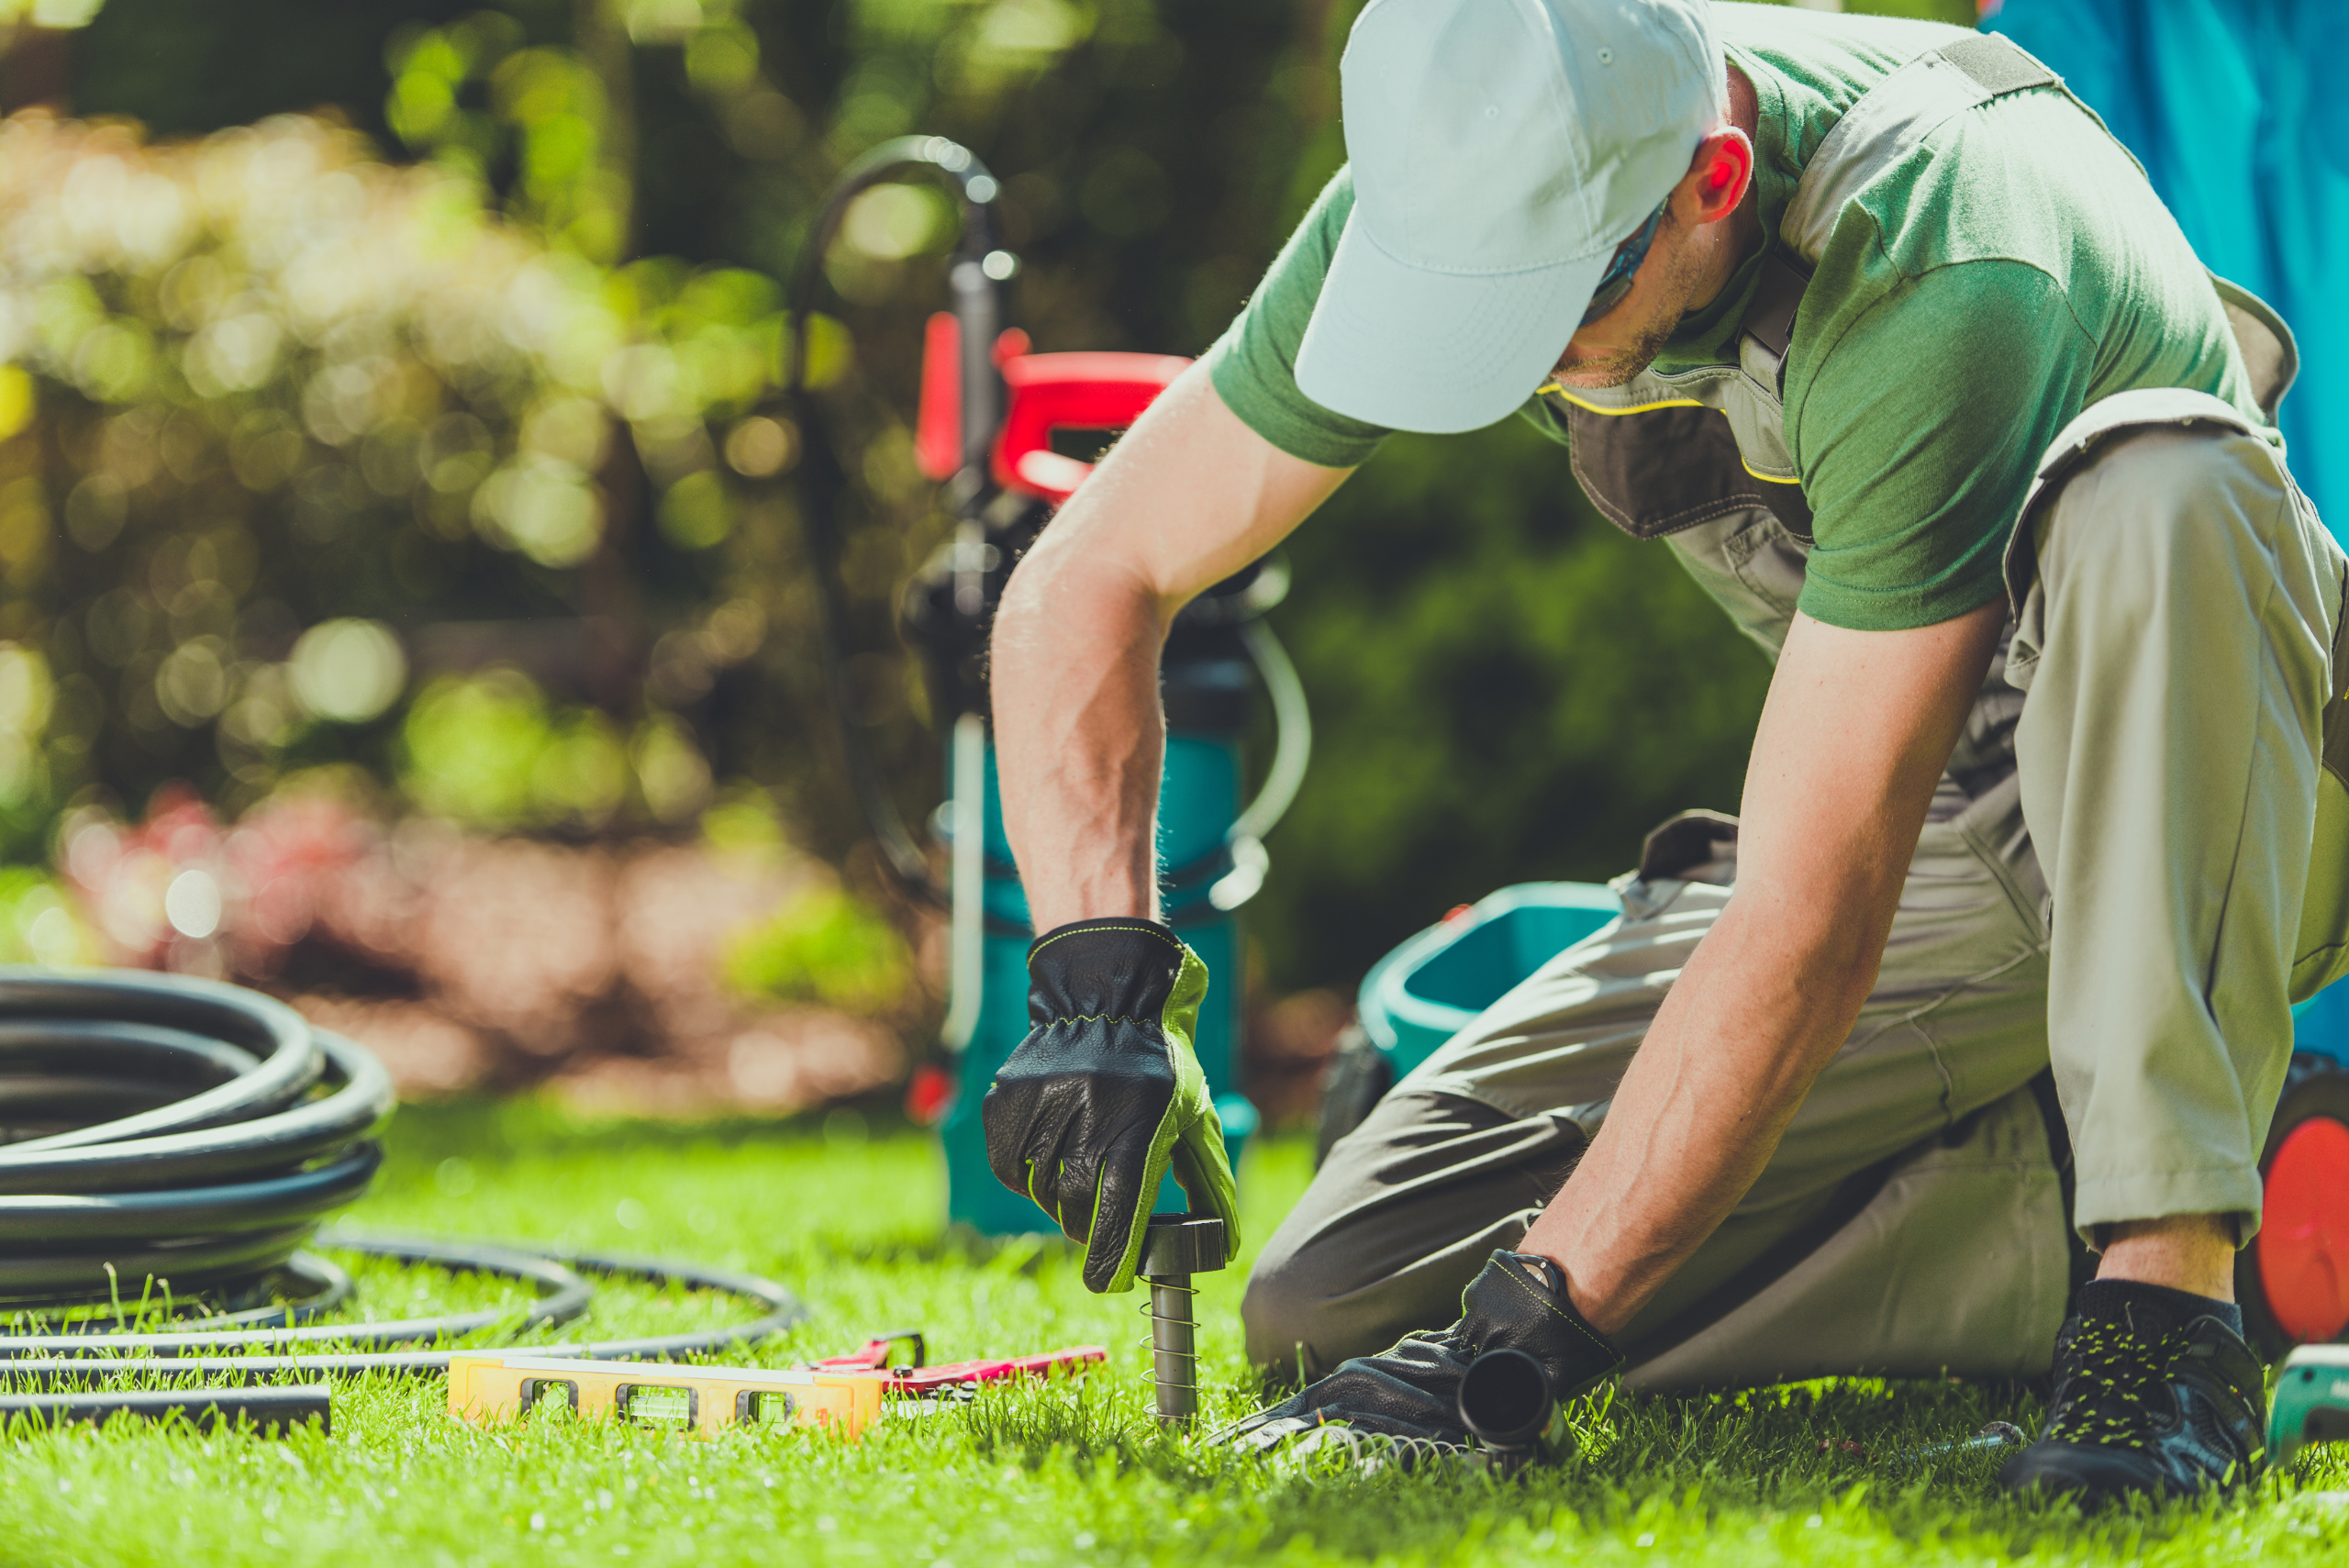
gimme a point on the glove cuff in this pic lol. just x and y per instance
(1094, 974)
(1519, 1301)
(1089, 929)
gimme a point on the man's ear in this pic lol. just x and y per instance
(1718, 176)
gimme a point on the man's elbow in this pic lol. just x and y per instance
(1055, 589)
(1839, 962)
(1843, 976)
(1827, 956)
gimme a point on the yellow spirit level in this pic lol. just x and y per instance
(707, 1400)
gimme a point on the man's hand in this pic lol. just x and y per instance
(1105, 1094)
(1852, 740)
(1410, 1394)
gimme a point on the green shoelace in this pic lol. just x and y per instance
(2114, 1370)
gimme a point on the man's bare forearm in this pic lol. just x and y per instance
(1189, 496)
(1692, 1125)
(1856, 733)
(1079, 741)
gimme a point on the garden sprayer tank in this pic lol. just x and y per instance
(990, 414)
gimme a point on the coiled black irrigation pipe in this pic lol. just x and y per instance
(159, 1133)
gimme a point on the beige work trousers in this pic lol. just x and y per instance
(2126, 905)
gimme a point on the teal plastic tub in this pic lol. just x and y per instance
(1428, 989)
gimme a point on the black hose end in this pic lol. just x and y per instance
(1505, 1399)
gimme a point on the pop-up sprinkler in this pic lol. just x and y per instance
(1178, 1246)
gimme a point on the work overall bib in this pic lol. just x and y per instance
(2117, 861)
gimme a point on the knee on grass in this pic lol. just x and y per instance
(1278, 1312)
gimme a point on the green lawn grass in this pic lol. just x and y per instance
(1064, 1473)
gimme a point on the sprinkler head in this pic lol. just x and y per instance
(1505, 1402)
(1178, 1246)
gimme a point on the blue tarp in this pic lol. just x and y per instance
(2237, 111)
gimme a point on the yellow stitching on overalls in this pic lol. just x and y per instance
(1650, 408)
(1549, 386)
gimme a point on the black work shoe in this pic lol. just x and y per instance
(2151, 1400)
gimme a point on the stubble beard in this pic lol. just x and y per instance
(1615, 368)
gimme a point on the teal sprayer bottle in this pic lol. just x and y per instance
(991, 416)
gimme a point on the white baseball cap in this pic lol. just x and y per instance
(1502, 150)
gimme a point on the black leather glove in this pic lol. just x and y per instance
(1411, 1393)
(1106, 1095)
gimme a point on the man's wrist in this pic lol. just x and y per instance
(1596, 1310)
(1047, 917)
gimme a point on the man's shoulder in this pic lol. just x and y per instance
(1254, 364)
(2030, 176)
(2009, 177)
(2023, 195)
(1821, 62)
(1796, 31)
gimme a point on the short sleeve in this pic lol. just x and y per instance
(1254, 364)
(1918, 432)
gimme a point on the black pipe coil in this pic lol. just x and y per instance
(163, 1139)
(165, 1129)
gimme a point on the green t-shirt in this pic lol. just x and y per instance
(2015, 268)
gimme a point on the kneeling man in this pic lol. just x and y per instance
(1874, 327)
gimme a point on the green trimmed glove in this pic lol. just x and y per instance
(1106, 1095)
(1404, 1403)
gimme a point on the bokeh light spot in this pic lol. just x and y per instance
(348, 670)
(892, 222)
(191, 903)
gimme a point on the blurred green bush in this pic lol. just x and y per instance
(288, 421)
(39, 924)
(826, 946)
